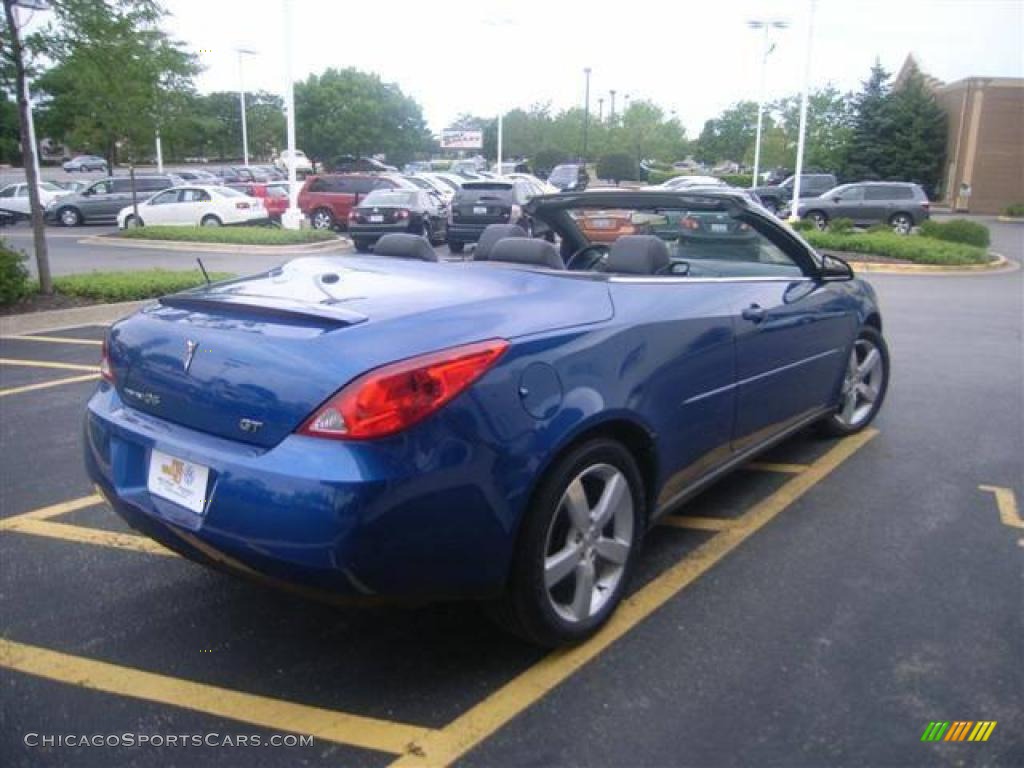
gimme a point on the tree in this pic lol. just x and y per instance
(867, 148)
(916, 136)
(646, 133)
(829, 128)
(730, 136)
(116, 77)
(348, 112)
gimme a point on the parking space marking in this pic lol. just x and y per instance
(48, 384)
(47, 364)
(1006, 501)
(768, 466)
(277, 714)
(481, 721)
(700, 523)
(83, 535)
(53, 510)
(54, 340)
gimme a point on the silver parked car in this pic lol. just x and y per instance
(102, 200)
(85, 163)
(899, 204)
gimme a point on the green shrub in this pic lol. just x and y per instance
(546, 159)
(879, 227)
(617, 166)
(14, 282)
(1015, 209)
(840, 225)
(656, 176)
(230, 235)
(803, 225)
(131, 286)
(741, 180)
(913, 248)
(957, 231)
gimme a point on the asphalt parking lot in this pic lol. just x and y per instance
(820, 607)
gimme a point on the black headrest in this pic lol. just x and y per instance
(525, 250)
(493, 233)
(405, 246)
(638, 255)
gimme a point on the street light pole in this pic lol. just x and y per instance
(613, 105)
(766, 25)
(600, 109)
(586, 112)
(241, 100)
(793, 212)
(291, 218)
(501, 120)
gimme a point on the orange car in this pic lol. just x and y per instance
(608, 226)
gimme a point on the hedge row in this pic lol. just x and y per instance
(913, 248)
(230, 235)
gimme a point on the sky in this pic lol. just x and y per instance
(694, 57)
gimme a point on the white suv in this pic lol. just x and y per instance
(302, 164)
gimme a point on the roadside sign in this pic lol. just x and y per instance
(462, 139)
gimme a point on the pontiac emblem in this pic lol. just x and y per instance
(190, 352)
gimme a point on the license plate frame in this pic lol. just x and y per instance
(179, 481)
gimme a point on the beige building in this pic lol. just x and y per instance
(984, 141)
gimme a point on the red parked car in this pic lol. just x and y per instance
(274, 196)
(328, 199)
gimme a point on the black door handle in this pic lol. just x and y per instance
(754, 313)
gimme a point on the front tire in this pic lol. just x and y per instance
(69, 217)
(322, 218)
(132, 222)
(865, 383)
(576, 548)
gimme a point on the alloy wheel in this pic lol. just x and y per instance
(862, 383)
(321, 220)
(902, 224)
(588, 542)
(69, 217)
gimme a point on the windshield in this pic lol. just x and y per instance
(389, 198)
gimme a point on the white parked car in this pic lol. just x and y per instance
(425, 182)
(545, 188)
(684, 182)
(302, 163)
(194, 205)
(14, 197)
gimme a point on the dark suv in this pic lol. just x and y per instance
(328, 199)
(774, 198)
(899, 204)
(569, 177)
(484, 202)
(102, 200)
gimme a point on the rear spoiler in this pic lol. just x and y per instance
(264, 305)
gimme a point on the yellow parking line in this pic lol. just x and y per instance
(478, 723)
(51, 511)
(768, 466)
(47, 384)
(700, 523)
(277, 714)
(48, 364)
(1006, 501)
(54, 340)
(97, 536)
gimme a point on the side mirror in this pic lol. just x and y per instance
(835, 269)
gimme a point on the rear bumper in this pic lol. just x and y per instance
(376, 231)
(423, 516)
(465, 233)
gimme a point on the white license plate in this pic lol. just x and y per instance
(480, 210)
(376, 219)
(720, 228)
(177, 480)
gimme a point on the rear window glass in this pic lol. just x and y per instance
(389, 197)
(277, 191)
(482, 191)
(229, 192)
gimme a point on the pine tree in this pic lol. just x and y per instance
(867, 153)
(916, 140)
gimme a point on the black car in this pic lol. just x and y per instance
(253, 174)
(199, 176)
(487, 201)
(385, 211)
(228, 175)
(352, 164)
(900, 204)
(569, 177)
(774, 197)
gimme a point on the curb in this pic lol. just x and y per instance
(59, 319)
(1011, 219)
(330, 246)
(999, 265)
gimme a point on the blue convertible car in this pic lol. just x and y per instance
(503, 428)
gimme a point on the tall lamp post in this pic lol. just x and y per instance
(803, 112)
(586, 112)
(612, 111)
(766, 25)
(241, 100)
(291, 218)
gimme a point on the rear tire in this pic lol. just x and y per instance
(455, 246)
(362, 246)
(865, 382)
(576, 547)
(69, 217)
(133, 222)
(901, 223)
(211, 221)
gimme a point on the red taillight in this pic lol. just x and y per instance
(926, 205)
(106, 369)
(396, 396)
(402, 215)
(353, 216)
